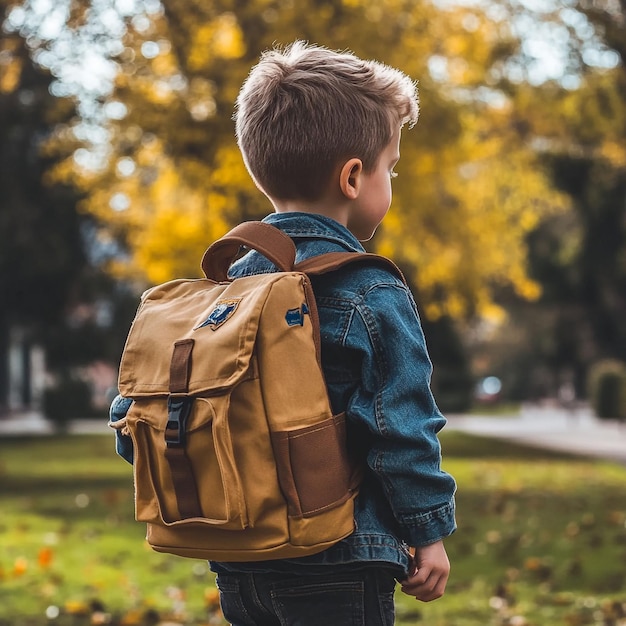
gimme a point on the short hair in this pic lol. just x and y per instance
(304, 109)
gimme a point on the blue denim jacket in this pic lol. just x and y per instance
(378, 371)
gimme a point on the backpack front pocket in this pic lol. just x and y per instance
(196, 481)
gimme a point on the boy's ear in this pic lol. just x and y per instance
(350, 178)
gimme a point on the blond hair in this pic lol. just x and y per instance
(304, 109)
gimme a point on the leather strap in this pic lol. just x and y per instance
(330, 261)
(180, 366)
(271, 242)
(184, 483)
(279, 248)
(179, 408)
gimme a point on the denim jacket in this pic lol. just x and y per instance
(378, 371)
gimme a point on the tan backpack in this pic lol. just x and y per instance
(237, 455)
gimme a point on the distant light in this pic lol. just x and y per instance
(104, 313)
(140, 23)
(15, 19)
(471, 23)
(491, 385)
(52, 612)
(150, 49)
(570, 81)
(201, 111)
(82, 500)
(153, 7)
(51, 539)
(177, 82)
(200, 569)
(438, 67)
(119, 202)
(126, 167)
(126, 7)
(86, 159)
(115, 110)
(54, 23)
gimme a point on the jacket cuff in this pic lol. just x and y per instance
(422, 529)
(117, 421)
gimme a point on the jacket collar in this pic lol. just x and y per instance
(314, 226)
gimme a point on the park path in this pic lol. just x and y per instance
(574, 431)
(551, 427)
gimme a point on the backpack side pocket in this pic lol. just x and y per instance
(313, 468)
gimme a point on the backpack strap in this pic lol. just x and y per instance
(178, 410)
(280, 249)
(330, 261)
(270, 241)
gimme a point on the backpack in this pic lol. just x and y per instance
(237, 453)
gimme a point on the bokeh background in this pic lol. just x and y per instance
(118, 167)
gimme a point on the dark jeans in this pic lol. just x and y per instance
(344, 597)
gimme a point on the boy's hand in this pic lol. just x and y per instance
(429, 573)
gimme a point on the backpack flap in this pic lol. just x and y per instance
(191, 309)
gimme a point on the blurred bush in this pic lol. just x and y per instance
(70, 399)
(607, 389)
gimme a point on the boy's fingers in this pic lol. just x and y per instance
(425, 585)
(428, 573)
(427, 591)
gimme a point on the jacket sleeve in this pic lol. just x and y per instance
(117, 421)
(395, 403)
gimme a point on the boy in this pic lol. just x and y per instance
(320, 132)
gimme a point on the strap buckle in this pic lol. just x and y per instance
(178, 410)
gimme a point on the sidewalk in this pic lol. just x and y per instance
(576, 432)
(34, 424)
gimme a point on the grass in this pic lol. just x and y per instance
(541, 541)
(69, 543)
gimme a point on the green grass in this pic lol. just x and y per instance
(69, 501)
(541, 540)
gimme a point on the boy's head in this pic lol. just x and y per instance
(304, 111)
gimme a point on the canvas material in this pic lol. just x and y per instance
(267, 456)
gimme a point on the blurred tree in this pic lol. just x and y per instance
(155, 159)
(578, 256)
(520, 146)
(40, 252)
(45, 273)
(469, 189)
(591, 168)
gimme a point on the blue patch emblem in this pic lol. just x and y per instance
(295, 317)
(222, 312)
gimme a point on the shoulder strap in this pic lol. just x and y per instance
(279, 248)
(331, 261)
(270, 241)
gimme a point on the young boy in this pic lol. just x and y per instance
(320, 132)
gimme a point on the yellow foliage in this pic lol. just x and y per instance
(10, 75)
(476, 206)
(221, 38)
(10, 65)
(614, 152)
(164, 65)
(168, 224)
(469, 191)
